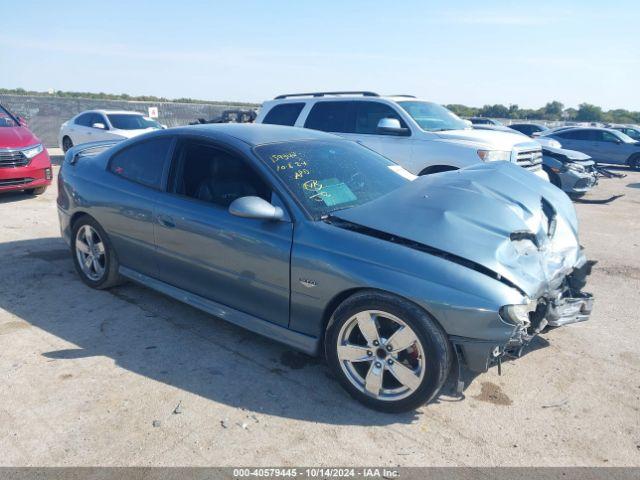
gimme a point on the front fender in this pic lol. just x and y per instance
(327, 261)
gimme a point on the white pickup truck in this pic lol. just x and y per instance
(421, 136)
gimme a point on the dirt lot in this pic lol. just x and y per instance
(129, 377)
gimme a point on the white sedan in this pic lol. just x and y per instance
(97, 125)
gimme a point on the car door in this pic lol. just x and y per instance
(79, 129)
(609, 147)
(580, 140)
(358, 121)
(398, 148)
(94, 134)
(202, 248)
(136, 185)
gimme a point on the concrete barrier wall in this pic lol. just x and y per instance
(45, 114)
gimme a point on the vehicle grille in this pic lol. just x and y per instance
(12, 158)
(530, 159)
(10, 182)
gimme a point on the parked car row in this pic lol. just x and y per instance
(382, 233)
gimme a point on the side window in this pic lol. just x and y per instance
(96, 118)
(331, 117)
(608, 137)
(143, 162)
(209, 174)
(84, 120)
(284, 114)
(368, 114)
(575, 135)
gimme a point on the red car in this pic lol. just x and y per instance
(24, 162)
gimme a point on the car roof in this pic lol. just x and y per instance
(338, 96)
(112, 112)
(256, 134)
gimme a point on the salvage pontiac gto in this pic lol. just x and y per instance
(324, 245)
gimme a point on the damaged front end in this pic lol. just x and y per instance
(566, 305)
(503, 223)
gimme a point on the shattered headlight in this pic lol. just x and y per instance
(494, 155)
(31, 152)
(518, 314)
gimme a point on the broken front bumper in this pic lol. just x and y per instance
(569, 310)
(565, 306)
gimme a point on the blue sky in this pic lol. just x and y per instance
(470, 52)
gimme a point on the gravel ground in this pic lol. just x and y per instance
(129, 377)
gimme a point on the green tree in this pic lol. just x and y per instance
(495, 111)
(589, 113)
(552, 110)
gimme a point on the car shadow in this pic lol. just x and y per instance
(15, 196)
(633, 185)
(598, 201)
(152, 335)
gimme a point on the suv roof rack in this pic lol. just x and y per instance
(401, 95)
(322, 94)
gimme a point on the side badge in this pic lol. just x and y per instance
(308, 283)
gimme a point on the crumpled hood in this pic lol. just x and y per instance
(481, 213)
(17, 137)
(490, 139)
(565, 155)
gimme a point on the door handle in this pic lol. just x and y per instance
(166, 221)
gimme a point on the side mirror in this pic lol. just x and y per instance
(100, 126)
(391, 126)
(255, 207)
(22, 122)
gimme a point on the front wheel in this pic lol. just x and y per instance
(387, 352)
(66, 144)
(634, 162)
(36, 191)
(93, 255)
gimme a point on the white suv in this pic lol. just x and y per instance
(98, 125)
(421, 136)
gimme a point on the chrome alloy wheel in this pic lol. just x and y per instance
(90, 252)
(381, 355)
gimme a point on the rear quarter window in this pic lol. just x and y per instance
(143, 162)
(284, 114)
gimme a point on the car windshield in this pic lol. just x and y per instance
(433, 117)
(6, 119)
(125, 121)
(624, 137)
(329, 175)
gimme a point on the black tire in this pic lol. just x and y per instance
(67, 143)
(634, 162)
(36, 191)
(438, 352)
(110, 277)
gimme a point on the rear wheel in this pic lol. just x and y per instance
(93, 256)
(66, 144)
(387, 352)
